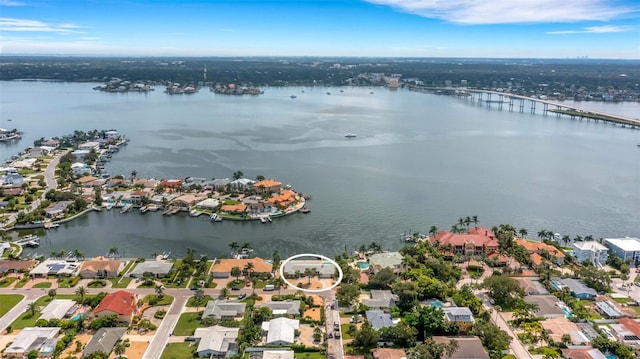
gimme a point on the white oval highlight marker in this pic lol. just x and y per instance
(324, 258)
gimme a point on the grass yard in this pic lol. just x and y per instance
(120, 282)
(345, 331)
(42, 285)
(166, 299)
(178, 351)
(309, 355)
(22, 282)
(26, 320)
(205, 300)
(69, 282)
(187, 324)
(623, 300)
(8, 301)
(5, 282)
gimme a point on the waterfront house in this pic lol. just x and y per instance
(136, 196)
(392, 260)
(120, 303)
(89, 146)
(16, 266)
(117, 182)
(234, 208)
(80, 169)
(280, 331)
(173, 183)
(57, 209)
(389, 353)
(591, 251)
(55, 267)
(41, 151)
(267, 186)
(146, 183)
(543, 249)
(104, 340)
(284, 199)
(216, 342)
(321, 268)
(101, 267)
(220, 183)
(58, 309)
(41, 339)
(469, 347)
(241, 184)
(380, 299)
(80, 154)
(24, 163)
(158, 268)
(476, 242)
(86, 181)
(273, 354)
(627, 249)
(461, 316)
(379, 319)
(208, 203)
(51, 143)
(260, 208)
(188, 200)
(224, 310)
(11, 179)
(222, 267)
(160, 199)
(549, 306)
(111, 135)
(283, 308)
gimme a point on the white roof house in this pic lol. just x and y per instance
(285, 307)
(392, 260)
(157, 268)
(55, 267)
(625, 248)
(42, 339)
(58, 309)
(281, 331)
(209, 203)
(216, 341)
(221, 309)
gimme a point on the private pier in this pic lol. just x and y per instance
(521, 103)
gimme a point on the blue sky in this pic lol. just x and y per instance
(387, 28)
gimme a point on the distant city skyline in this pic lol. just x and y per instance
(323, 28)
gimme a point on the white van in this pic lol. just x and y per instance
(269, 287)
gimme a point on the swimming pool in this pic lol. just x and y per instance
(363, 265)
(436, 303)
(567, 312)
(77, 316)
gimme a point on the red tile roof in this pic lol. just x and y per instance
(171, 183)
(479, 238)
(120, 302)
(631, 324)
(536, 259)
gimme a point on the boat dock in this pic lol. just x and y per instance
(28, 241)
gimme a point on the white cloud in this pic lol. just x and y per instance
(595, 30)
(11, 3)
(480, 12)
(26, 25)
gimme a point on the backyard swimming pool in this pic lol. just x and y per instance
(363, 265)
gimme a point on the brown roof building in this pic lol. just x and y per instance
(222, 268)
(477, 241)
(387, 353)
(101, 267)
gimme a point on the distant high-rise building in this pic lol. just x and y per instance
(204, 74)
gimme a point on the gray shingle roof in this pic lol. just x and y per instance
(379, 319)
(104, 340)
(220, 308)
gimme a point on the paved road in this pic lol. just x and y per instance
(19, 309)
(516, 346)
(335, 349)
(161, 338)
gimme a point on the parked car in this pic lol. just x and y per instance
(242, 296)
(235, 288)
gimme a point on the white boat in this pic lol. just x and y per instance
(195, 213)
(350, 135)
(126, 208)
(144, 209)
(216, 218)
(109, 206)
(263, 220)
(269, 219)
(165, 255)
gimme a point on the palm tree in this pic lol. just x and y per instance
(237, 175)
(542, 234)
(77, 254)
(375, 247)
(467, 221)
(113, 252)
(248, 268)
(198, 297)
(81, 292)
(588, 238)
(566, 239)
(433, 230)
(32, 308)
(279, 283)
(246, 247)
(460, 222)
(523, 232)
(224, 293)
(236, 272)
(234, 247)
(309, 272)
(52, 293)
(121, 347)
(133, 175)
(160, 291)
(474, 219)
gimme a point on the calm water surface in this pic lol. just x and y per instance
(419, 160)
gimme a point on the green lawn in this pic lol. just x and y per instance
(623, 300)
(22, 282)
(129, 266)
(207, 298)
(178, 351)
(8, 301)
(26, 320)
(345, 331)
(120, 282)
(187, 324)
(42, 285)
(310, 355)
(166, 299)
(5, 282)
(69, 282)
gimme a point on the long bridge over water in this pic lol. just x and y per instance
(517, 102)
